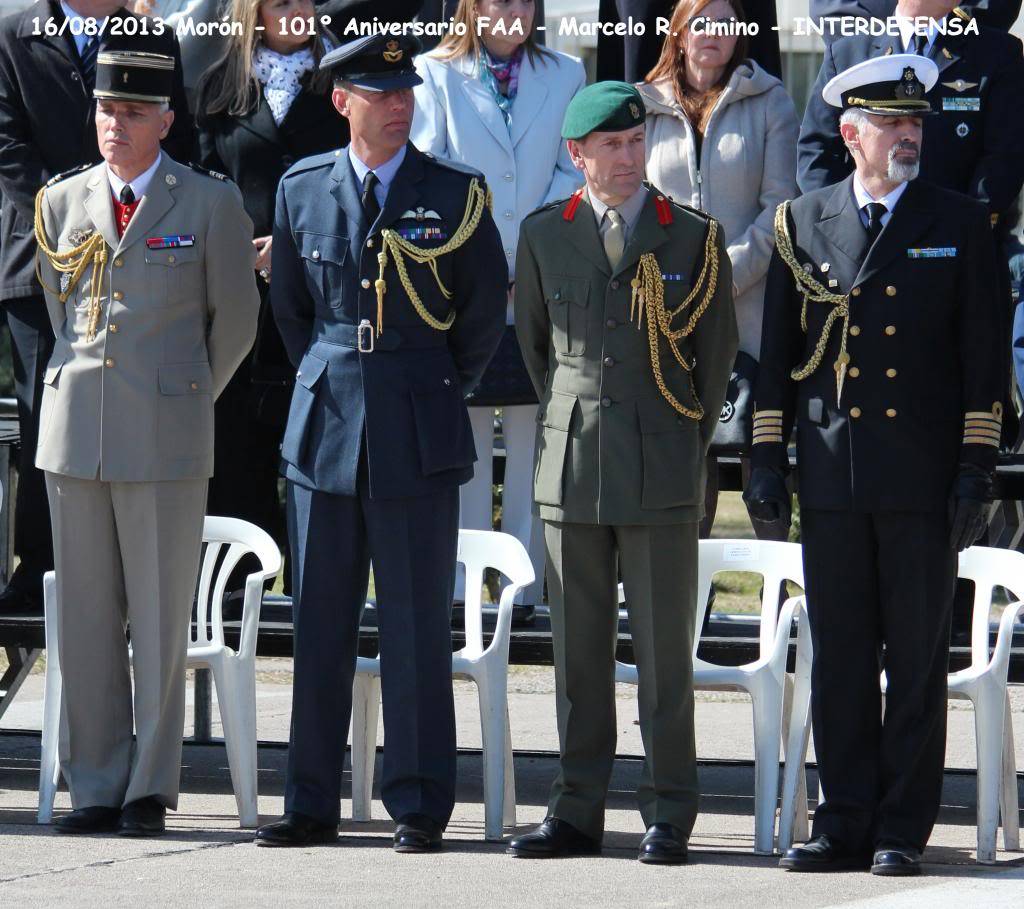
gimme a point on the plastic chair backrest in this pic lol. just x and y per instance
(989, 567)
(234, 538)
(479, 550)
(774, 561)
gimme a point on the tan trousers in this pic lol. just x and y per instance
(126, 554)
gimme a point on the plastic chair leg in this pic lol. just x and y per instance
(494, 729)
(365, 707)
(1009, 810)
(236, 700)
(767, 704)
(988, 726)
(509, 814)
(793, 813)
(53, 692)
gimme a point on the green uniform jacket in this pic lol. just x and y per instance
(610, 447)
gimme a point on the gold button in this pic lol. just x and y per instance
(891, 373)
(365, 283)
(118, 262)
(118, 295)
(171, 259)
(890, 330)
(855, 330)
(194, 386)
(854, 372)
(891, 412)
(855, 412)
(112, 328)
(109, 362)
(855, 292)
(890, 291)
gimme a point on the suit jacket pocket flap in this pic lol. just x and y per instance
(185, 379)
(561, 289)
(52, 371)
(558, 413)
(816, 412)
(322, 247)
(172, 257)
(310, 370)
(657, 415)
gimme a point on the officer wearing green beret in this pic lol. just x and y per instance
(625, 318)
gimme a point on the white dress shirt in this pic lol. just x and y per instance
(385, 173)
(908, 31)
(863, 197)
(139, 185)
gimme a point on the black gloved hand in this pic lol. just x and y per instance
(972, 491)
(766, 496)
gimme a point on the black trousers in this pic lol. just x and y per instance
(412, 544)
(879, 594)
(31, 345)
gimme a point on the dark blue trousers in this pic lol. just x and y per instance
(412, 544)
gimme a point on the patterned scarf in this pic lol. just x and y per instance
(281, 77)
(499, 74)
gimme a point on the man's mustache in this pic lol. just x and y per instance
(904, 146)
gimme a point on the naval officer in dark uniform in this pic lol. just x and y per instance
(388, 295)
(883, 343)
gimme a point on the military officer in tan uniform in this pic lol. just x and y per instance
(625, 317)
(148, 270)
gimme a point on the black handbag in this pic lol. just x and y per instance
(736, 421)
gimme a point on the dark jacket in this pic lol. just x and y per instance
(406, 397)
(254, 151)
(999, 14)
(976, 152)
(46, 125)
(928, 353)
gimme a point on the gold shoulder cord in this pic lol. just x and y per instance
(73, 262)
(815, 292)
(399, 247)
(649, 295)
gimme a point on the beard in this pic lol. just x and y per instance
(899, 171)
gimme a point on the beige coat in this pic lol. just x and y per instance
(747, 167)
(136, 402)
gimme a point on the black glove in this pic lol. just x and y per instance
(766, 496)
(972, 491)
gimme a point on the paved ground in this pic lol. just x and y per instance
(206, 860)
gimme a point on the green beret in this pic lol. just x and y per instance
(606, 106)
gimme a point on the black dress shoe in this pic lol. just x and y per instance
(295, 829)
(14, 601)
(896, 861)
(821, 854)
(552, 839)
(417, 833)
(663, 844)
(143, 817)
(97, 819)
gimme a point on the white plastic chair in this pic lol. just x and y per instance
(234, 673)
(488, 668)
(765, 679)
(983, 683)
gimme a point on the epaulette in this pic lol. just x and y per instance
(961, 13)
(459, 168)
(303, 165)
(68, 173)
(208, 173)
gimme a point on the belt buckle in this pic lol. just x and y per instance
(366, 327)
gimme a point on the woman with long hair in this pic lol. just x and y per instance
(493, 98)
(263, 106)
(721, 136)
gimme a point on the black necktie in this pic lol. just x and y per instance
(875, 211)
(920, 43)
(126, 196)
(88, 57)
(369, 198)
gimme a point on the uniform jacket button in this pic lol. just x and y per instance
(854, 372)
(109, 362)
(112, 328)
(118, 262)
(369, 243)
(447, 381)
(855, 330)
(118, 295)
(891, 373)
(606, 402)
(615, 284)
(891, 412)
(890, 330)
(194, 386)
(890, 291)
(171, 259)
(365, 283)
(611, 323)
(855, 292)
(609, 361)
(855, 412)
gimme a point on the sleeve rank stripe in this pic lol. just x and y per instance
(983, 415)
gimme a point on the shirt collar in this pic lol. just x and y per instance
(81, 39)
(385, 172)
(863, 197)
(630, 209)
(139, 185)
(908, 29)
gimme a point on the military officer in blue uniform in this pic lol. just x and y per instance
(884, 345)
(388, 295)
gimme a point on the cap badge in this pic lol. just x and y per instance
(393, 52)
(634, 110)
(909, 88)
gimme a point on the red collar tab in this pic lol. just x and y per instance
(664, 210)
(569, 212)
